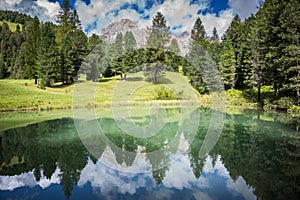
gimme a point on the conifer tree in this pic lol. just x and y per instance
(158, 38)
(48, 58)
(215, 37)
(31, 48)
(227, 65)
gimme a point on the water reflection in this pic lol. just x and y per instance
(255, 157)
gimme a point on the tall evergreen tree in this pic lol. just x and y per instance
(31, 48)
(269, 32)
(129, 42)
(198, 57)
(233, 35)
(198, 32)
(158, 38)
(290, 47)
(73, 50)
(227, 65)
(48, 58)
(6, 47)
(215, 37)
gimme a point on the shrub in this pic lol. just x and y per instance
(285, 103)
(164, 94)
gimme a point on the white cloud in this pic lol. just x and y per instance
(27, 179)
(52, 9)
(240, 187)
(221, 23)
(12, 2)
(43, 9)
(175, 11)
(98, 14)
(244, 7)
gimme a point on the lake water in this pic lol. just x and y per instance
(256, 156)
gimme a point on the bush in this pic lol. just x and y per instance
(164, 94)
(42, 84)
(285, 103)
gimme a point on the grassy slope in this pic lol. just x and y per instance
(12, 26)
(24, 95)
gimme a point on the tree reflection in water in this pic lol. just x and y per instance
(262, 151)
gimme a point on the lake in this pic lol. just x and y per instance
(255, 156)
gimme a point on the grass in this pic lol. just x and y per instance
(12, 26)
(23, 95)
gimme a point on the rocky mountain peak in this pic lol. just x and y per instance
(110, 32)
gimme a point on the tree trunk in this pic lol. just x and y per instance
(258, 93)
(35, 80)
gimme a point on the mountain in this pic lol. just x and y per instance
(110, 32)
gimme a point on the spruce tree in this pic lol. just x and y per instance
(73, 50)
(233, 35)
(31, 48)
(129, 42)
(290, 47)
(199, 58)
(227, 65)
(48, 58)
(215, 37)
(198, 32)
(158, 38)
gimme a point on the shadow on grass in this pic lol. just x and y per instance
(104, 80)
(133, 79)
(160, 80)
(265, 94)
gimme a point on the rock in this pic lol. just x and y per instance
(110, 32)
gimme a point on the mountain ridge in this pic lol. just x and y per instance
(110, 32)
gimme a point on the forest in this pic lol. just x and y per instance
(258, 54)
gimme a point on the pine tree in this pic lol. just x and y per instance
(92, 65)
(17, 70)
(290, 47)
(2, 68)
(215, 37)
(174, 47)
(233, 35)
(117, 63)
(227, 65)
(31, 48)
(48, 58)
(158, 33)
(6, 47)
(158, 38)
(73, 50)
(269, 32)
(198, 32)
(64, 20)
(129, 42)
(198, 57)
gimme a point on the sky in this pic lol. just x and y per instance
(180, 14)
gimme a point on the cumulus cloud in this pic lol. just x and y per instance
(180, 14)
(43, 9)
(244, 7)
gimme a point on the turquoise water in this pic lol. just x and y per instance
(256, 157)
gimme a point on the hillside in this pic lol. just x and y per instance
(12, 26)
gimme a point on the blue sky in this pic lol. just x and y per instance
(180, 14)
